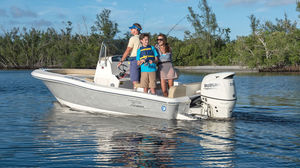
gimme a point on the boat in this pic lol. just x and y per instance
(107, 89)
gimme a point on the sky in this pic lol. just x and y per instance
(155, 16)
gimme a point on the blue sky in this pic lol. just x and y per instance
(155, 16)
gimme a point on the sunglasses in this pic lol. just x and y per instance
(159, 39)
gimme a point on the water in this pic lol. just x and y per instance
(35, 131)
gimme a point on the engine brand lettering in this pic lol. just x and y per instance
(210, 85)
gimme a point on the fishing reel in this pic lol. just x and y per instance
(122, 73)
(146, 63)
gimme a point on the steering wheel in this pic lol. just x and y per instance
(122, 71)
(122, 67)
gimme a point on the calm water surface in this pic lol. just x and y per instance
(35, 131)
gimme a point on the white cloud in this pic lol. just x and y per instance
(61, 15)
(267, 3)
(18, 12)
(14, 22)
(260, 10)
(122, 16)
(3, 13)
(58, 12)
(35, 23)
(41, 23)
(179, 1)
(241, 2)
(160, 25)
(280, 2)
(114, 3)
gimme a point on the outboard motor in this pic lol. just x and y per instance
(218, 95)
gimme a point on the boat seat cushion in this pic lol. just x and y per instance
(192, 88)
(89, 79)
(177, 91)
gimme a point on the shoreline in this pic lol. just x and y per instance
(205, 68)
(209, 68)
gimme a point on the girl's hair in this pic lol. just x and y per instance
(165, 41)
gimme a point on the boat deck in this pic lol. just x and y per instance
(125, 83)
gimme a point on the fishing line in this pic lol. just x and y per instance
(175, 25)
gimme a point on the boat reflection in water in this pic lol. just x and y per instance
(218, 141)
(131, 141)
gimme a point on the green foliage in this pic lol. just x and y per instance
(271, 44)
(208, 37)
(104, 26)
(254, 23)
(226, 56)
(34, 48)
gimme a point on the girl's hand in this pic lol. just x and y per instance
(150, 61)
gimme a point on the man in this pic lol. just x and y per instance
(133, 46)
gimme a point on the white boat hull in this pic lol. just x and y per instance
(79, 94)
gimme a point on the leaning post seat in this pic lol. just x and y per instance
(193, 88)
(177, 91)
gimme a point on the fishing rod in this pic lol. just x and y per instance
(175, 25)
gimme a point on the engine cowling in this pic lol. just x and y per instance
(218, 94)
(219, 86)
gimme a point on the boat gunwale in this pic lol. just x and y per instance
(71, 80)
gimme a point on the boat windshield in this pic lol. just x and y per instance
(103, 51)
(111, 49)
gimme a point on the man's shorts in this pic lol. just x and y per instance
(148, 80)
(134, 71)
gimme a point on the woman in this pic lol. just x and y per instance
(165, 67)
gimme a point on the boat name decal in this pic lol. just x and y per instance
(135, 103)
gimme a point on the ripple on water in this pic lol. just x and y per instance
(37, 132)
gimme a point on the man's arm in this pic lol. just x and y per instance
(126, 53)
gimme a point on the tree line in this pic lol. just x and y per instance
(270, 45)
